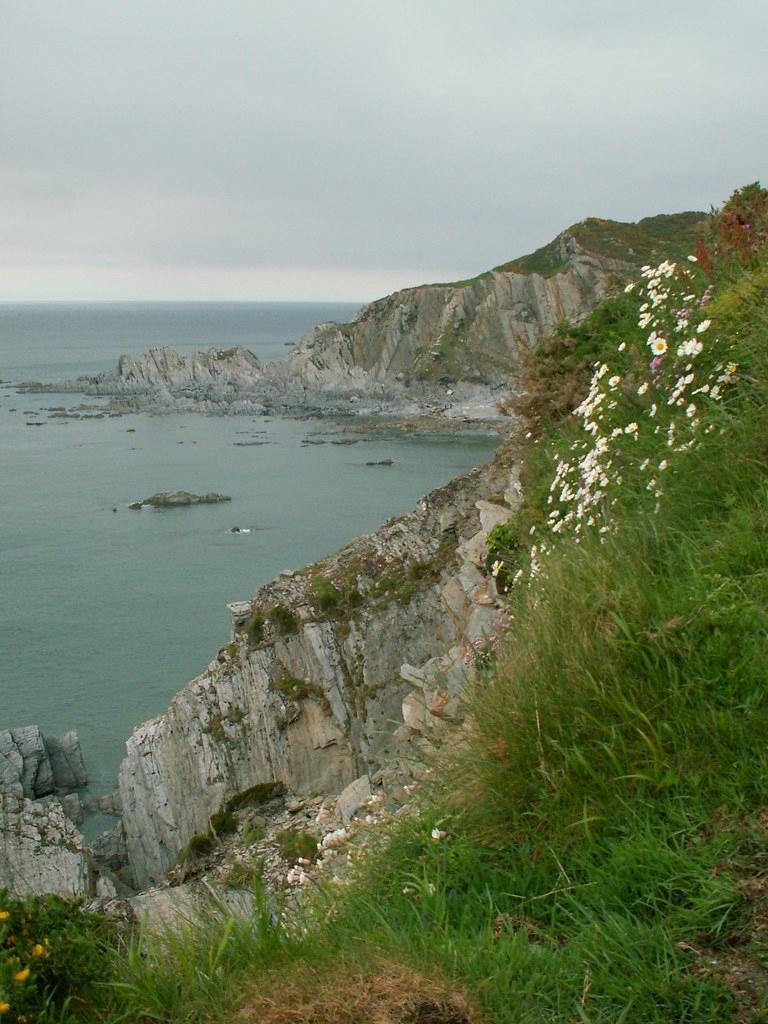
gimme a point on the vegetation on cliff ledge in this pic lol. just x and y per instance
(596, 848)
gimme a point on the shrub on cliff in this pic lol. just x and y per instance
(52, 956)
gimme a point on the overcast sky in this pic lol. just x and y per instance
(339, 149)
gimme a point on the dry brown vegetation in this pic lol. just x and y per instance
(385, 992)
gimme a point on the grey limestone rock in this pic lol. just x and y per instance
(352, 798)
(72, 808)
(24, 763)
(41, 851)
(66, 759)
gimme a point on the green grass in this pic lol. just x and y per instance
(295, 845)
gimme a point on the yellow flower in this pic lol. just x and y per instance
(5, 1007)
(21, 976)
(38, 950)
(4, 915)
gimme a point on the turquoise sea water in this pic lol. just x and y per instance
(105, 615)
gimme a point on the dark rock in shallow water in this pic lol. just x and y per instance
(382, 462)
(136, 506)
(181, 499)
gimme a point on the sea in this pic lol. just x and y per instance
(106, 612)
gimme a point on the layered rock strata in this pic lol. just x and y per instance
(472, 330)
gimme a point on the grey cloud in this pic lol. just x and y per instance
(355, 135)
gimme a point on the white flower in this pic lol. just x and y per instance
(658, 347)
(663, 465)
(692, 259)
(631, 428)
(438, 834)
(643, 388)
(496, 568)
(630, 287)
(613, 381)
(622, 346)
(690, 348)
(690, 412)
(703, 326)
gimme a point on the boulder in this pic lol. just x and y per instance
(352, 798)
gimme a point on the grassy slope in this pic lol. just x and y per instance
(650, 239)
(605, 855)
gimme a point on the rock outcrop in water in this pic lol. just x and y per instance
(332, 673)
(182, 499)
(216, 375)
(33, 765)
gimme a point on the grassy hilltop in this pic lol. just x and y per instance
(595, 848)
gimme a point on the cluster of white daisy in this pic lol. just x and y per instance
(670, 397)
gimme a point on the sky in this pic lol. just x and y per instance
(338, 150)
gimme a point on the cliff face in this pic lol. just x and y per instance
(467, 331)
(331, 670)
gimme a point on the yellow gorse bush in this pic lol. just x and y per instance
(18, 949)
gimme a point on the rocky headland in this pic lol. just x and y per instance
(438, 349)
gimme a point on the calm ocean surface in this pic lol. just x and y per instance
(104, 615)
